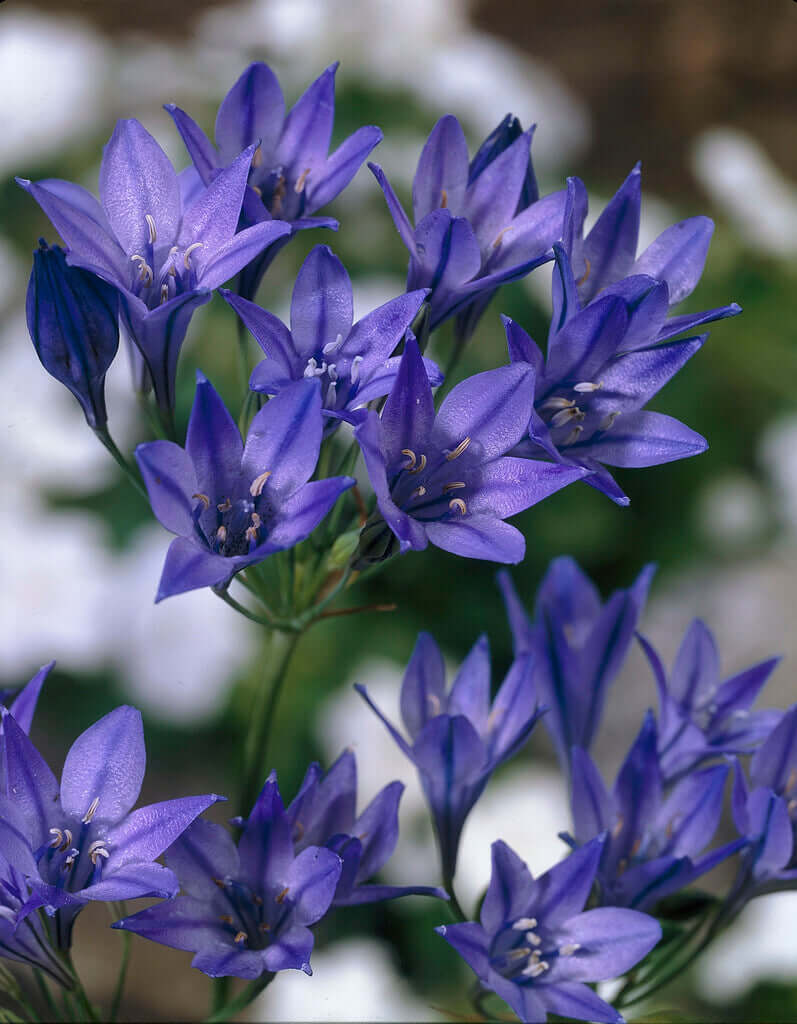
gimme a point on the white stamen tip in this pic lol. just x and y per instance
(332, 346)
(536, 969)
(608, 422)
(354, 373)
(524, 923)
(188, 251)
(573, 436)
(95, 803)
(259, 482)
(460, 448)
(458, 505)
(153, 234)
(569, 949)
(585, 386)
(565, 415)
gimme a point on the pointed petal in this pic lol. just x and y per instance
(479, 536)
(400, 218)
(423, 688)
(182, 923)
(146, 833)
(775, 761)
(212, 218)
(522, 349)
(234, 255)
(399, 739)
(408, 416)
(321, 306)
(380, 381)
(375, 337)
(284, 439)
(564, 889)
(189, 566)
(134, 881)
(376, 893)
(514, 712)
(266, 845)
(696, 668)
(378, 828)
(203, 852)
(633, 379)
(471, 942)
(269, 332)
(646, 439)
(300, 513)
(137, 180)
(311, 881)
(202, 152)
(519, 622)
(528, 238)
(213, 442)
(678, 256)
(470, 691)
(252, 112)
(291, 951)
(491, 199)
(573, 999)
(691, 813)
(637, 791)
(32, 787)
(442, 174)
(738, 692)
(590, 803)
(24, 704)
(611, 941)
(679, 324)
(220, 961)
(586, 342)
(171, 483)
(340, 167)
(509, 485)
(511, 892)
(610, 247)
(308, 126)
(769, 822)
(106, 763)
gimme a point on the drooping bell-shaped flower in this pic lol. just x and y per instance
(233, 504)
(539, 950)
(162, 256)
(244, 910)
(73, 320)
(472, 230)
(579, 644)
(458, 739)
(353, 363)
(80, 841)
(292, 174)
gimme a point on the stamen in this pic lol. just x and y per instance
(95, 803)
(608, 422)
(411, 456)
(223, 506)
(67, 841)
(354, 373)
(565, 415)
(420, 467)
(263, 927)
(533, 938)
(535, 969)
(518, 954)
(240, 938)
(460, 448)
(256, 520)
(586, 386)
(279, 194)
(556, 403)
(164, 293)
(524, 923)
(259, 482)
(332, 393)
(203, 498)
(153, 234)
(219, 882)
(584, 277)
(418, 492)
(70, 860)
(618, 828)
(283, 894)
(500, 236)
(298, 188)
(226, 919)
(258, 191)
(251, 535)
(434, 702)
(573, 436)
(58, 837)
(332, 372)
(221, 534)
(455, 485)
(790, 782)
(332, 346)
(188, 251)
(257, 158)
(172, 271)
(791, 806)
(569, 949)
(97, 849)
(458, 505)
(144, 269)
(443, 199)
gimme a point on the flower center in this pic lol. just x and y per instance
(423, 488)
(74, 855)
(570, 418)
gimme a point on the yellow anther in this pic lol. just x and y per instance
(499, 237)
(240, 938)
(188, 251)
(67, 841)
(223, 506)
(58, 837)
(421, 465)
(282, 895)
(460, 448)
(259, 482)
(411, 456)
(258, 191)
(226, 919)
(298, 188)
(582, 279)
(443, 199)
(455, 485)
(203, 498)
(153, 234)
(458, 505)
(97, 849)
(256, 520)
(257, 157)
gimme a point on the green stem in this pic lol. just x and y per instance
(262, 719)
(131, 474)
(220, 993)
(124, 964)
(242, 1000)
(268, 622)
(453, 903)
(243, 356)
(46, 994)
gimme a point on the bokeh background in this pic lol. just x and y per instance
(703, 93)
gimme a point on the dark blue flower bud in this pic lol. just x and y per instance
(73, 319)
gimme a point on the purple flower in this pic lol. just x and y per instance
(244, 910)
(652, 839)
(766, 812)
(73, 320)
(353, 364)
(457, 739)
(538, 949)
(472, 230)
(22, 708)
(78, 841)
(164, 257)
(26, 941)
(232, 505)
(324, 813)
(700, 717)
(292, 173)
(442, 477)
(579, 645)
(603, 364)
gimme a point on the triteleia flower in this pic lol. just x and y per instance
(472, 232)
(652, 839)
(579, 645)
(701, 717)
(766, 812)
(538, 949)
(163, 257)
(244, 910)
(80, 841)
(231, 504)
(603, 364)
(324, 813)
(292, 173)
(73, 319)
(457, 739)
(26, 941)
(353, 363)
(443, 477)
(22, 706)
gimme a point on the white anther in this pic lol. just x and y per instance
(557, 403)
(153, 234)
(223, 506)
(458, 505)
(298, 188)
(58, 837)
(144, 269)
(72, 857)
(533, 938)
(188, 251)
(418, 492)
(521, 953)
(791, 806)
(573, 436)
(97, 849)
(523, 923)
(460, 448)
(535, 969)
(332, 346)
(608, 422)
(95, 803)
(332, 372)
(565, 415)
(313, 369)
(569, 949)
(164, 293)
(259, 482)
(256, 520)
(332, 393)
(455, 485)
(354, 373)
(434, 702)
(585, 386)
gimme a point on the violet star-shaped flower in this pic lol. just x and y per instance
(353, 363)
(538, 949)
(73, 320)
(292, 173)
(324, 813)
(443, 477)
(244, 910)
(163, 257)
(472, 232)
(765, 813)
(79, 841)
(603, 364)
(458, 739)
(579, 645)
(232, 505)
(652, 839)
(701, 717)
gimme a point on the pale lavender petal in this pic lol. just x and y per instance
(646, 439)
(284, 438)
(182, 923)
(147, 832)
(611, 940)
(203, 852)
(171, 483)
(134, 881)
(573, 999)
(376, 336)
(252, 112)
(400, 218)
(189, 566)
(203, 155)
(408, 416)
(213, 442)
(32, 787)
(442, 174)
(492, 197)
(479, 536)
(424, 684)
(213, 218)
(321, 306)
(240, 250)
(308, 127)
(269, 332)
(678, 256)
(509, 485)
(340, 167)
(311, 882)
(300, 513)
